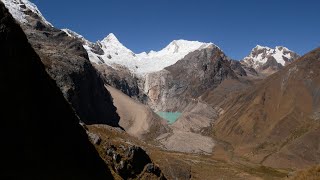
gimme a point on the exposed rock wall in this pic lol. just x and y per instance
(68, 64)
(121, 78)
(173, 88)
(42, 138)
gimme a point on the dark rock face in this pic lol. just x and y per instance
(122, 79)
(249, 70)
(68, 64)
(46, 140)
(272, 64)
(131, 162)
(201, 70)
(172, 89)
(136, 160)
(237, 68)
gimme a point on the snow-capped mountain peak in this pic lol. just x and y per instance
(258, 47)
(112, 42)
(260, 55)
(111, 38)
(143, 63)
(20, 10)
(114, 49)
(178, 46)
(173, 47)
(73, 34)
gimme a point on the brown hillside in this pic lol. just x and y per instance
(276, 123)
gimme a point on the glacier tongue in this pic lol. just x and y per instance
(18, 9)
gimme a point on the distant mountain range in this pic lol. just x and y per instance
(112, 52)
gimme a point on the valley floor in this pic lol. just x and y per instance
(177, 165)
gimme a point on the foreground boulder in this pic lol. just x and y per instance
(131, 162)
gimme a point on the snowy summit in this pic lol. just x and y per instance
(19, 9)
(115, 53)
(260, 55)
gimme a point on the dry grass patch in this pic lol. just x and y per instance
(309, 174)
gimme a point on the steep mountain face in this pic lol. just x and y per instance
(267, 60)
(123, 79)
(115, 75)
(276, 123)
(160, 79)
(46, 140)
(68, 64)
(174, 87)
(238, 68)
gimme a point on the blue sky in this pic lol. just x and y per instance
(234, 25)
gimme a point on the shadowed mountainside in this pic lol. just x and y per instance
(42, 138)
(67, 62)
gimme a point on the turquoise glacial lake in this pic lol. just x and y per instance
(171, 117)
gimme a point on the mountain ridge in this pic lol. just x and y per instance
(20, 10)
(264, 59)
(112, 52)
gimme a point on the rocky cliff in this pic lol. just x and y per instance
(123, 79)
(173, 88)
(68, 64)
(42, 138)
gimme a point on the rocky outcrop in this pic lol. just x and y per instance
(126, 159)
(43, 137)
(68, 64)
(121, 78)
(173, 88)
(271, 65)
(237, 68)
(128, 162)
